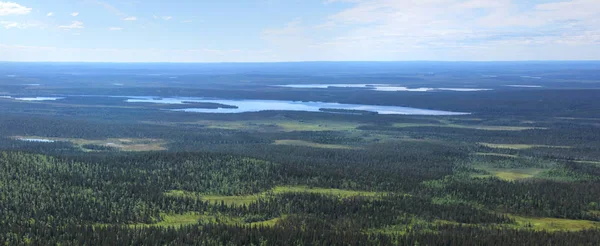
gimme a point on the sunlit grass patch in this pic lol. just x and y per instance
(229, 200)
(553, 224)
(182, 193)
(402, 229)
(311, 144)
(170, 220)
(248, 199)
(269, 223)
(521, 222)
(317, 125)
(234, 220)
(276, 125)
(496, 154)
(325, 191)
(191, 218)
(179, 219)
(510, 174)
(521, 146)
(233, 200)
(516, 174)
(475, 127)
(589, 162)
(124, 144)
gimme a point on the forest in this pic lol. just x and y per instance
(523, 168)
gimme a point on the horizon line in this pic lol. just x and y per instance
(275, 62)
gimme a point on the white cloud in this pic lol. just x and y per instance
(130, 18)
(13, 24)
(115, 28)
(410, 30)
(162, 17)
(75, 14)
(50, 14)
(9, 24)
(440, 30)
(73, 25)
(9, 8)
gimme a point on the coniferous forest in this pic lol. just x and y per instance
(106, 164)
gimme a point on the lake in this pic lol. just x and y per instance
(33, 98)
(37, 140)
(244, 106)
(379, 87)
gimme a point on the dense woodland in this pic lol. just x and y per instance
(523, 169)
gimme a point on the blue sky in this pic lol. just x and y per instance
(298, 30)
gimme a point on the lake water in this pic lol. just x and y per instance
(244, 106)
(531, 77)
(37, 140)
(380, 87)
(38, 98)
(526, 86)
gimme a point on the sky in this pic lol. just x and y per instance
(298, 30)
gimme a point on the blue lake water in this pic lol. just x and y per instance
(526, 86)
(380, 87)
(37, 140)
(38, 98)
(244, 106)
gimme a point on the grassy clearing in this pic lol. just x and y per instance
(269, 223)
(402, 229)
(529, 223)
(496, 154)
(516, 174)
(231, 220)
(520, 146)
(317, 126)
(177, 220)
(553, 224)
(522, 222)
(272, 125)
(475, 127)
(278, 125)
(325, 191)
(510, 174)
(229, 200)
(233, 200)
(589, 162)
(124, 144)
(311, 144)
(370, 137)
(169, 220)
(245, 200)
